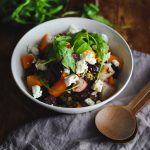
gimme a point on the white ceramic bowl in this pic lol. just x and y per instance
(116, 42)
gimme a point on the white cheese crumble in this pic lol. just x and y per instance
(67, 71)
(105, 37)
(73, 78)
(81, 66)
(35, 50)
(88, 57)
(69, 92)
(98, 85)
(116, 62)
(40, 66)
(107, 56)
(89, 101)
(36, 90)
(50, 39)
(73, 29)
(94, 93)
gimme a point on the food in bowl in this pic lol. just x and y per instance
(71, 69)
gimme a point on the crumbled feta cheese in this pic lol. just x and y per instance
(73, 78)
(81, 66)
(105, 37)
(97, 102)
(97, 86)
(36, 90)
(40, 66)
(107, 56)
(116, 62)
(69, 92)
(88, 57)
(73, 29)
(34, 50)
(94, 93)
(89, 101)
(50, 39)
(67, 71)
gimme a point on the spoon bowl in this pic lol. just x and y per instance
(113, 122)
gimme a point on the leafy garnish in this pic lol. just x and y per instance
(81, 42)
(32, 11)
(101, 47)
(63, 53)
(69, 13)
(92, 11)
(38, 11)
(81, 46)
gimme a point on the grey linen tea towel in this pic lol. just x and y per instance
(78, 132)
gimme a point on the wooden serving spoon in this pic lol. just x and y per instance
(119, 122)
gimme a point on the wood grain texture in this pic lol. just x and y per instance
(141, 99)
(16, 108)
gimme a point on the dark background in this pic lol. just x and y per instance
(16, 108)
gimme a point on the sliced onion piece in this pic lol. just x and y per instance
(80, 85)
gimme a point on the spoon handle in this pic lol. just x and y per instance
(140, 99)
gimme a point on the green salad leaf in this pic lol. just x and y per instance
(63, 53)
(81, 42)
(101, 45)
(68, 60)
(80, 46)
(69, 13)
(92, 11)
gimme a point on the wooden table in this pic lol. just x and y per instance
(15, 107)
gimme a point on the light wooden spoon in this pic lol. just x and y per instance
(119, 122)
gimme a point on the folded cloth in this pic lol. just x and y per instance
(78, 132)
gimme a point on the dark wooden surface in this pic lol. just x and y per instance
(15, 107)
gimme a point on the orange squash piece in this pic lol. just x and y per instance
(43, 44)
(33, 80)
(112, 81)
(59, 87)
(26, 61)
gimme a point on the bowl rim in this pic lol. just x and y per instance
(53, 107)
